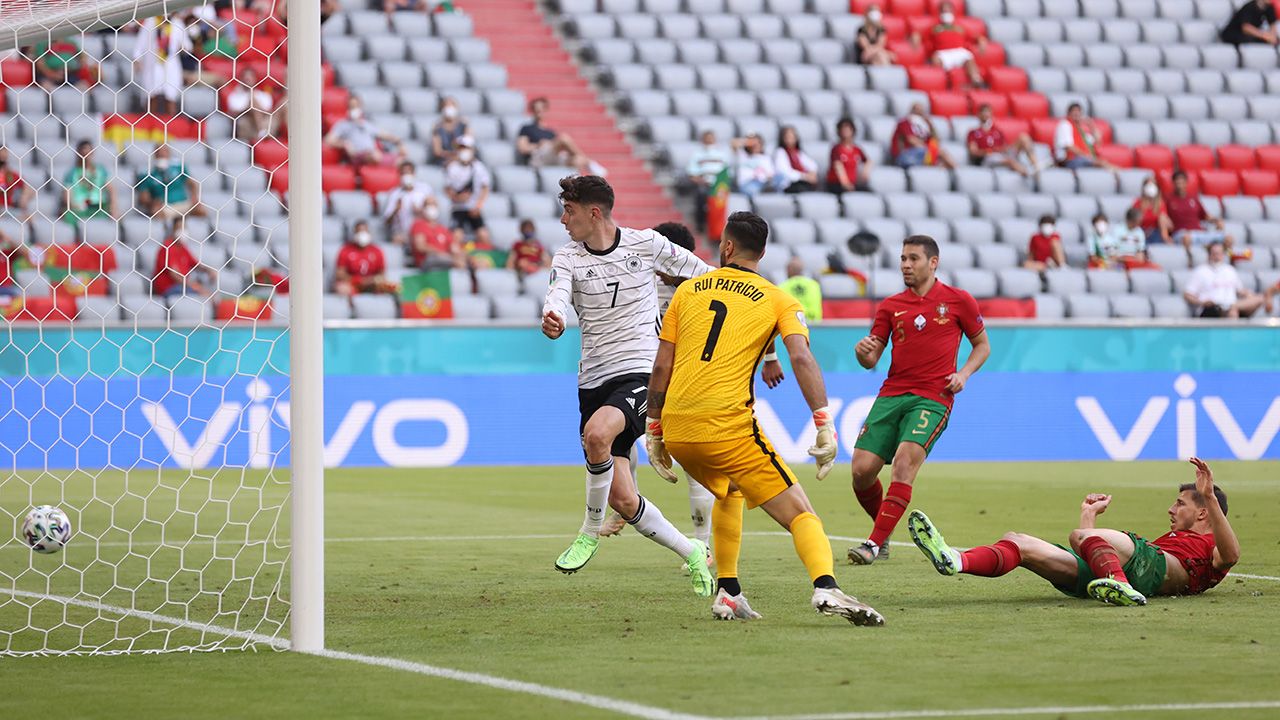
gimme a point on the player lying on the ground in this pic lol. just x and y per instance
(1113, 566)
(925, 322)
(701, 394)
(607, 275)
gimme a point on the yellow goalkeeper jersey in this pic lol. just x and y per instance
(721, 324)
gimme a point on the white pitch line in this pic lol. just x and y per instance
(1012, 712)
(596, 702)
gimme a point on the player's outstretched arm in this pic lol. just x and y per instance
(1226, 551)
(814, 389)
(671, 259)
(659, 381)
(556, 305)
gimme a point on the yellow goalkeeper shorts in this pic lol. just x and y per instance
(749, 464)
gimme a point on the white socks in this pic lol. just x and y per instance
(700, 502)
(599, 477)
(650, 523)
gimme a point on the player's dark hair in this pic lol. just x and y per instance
(928, 244)
(677, 233)
(587, 190)
(1200, 500)
(748, 231)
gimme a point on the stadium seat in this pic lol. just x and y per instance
(1259, 183)
(1219, 182)
(1193, 158)
(1092, 307)
(1268, 157)
(1153, 157)
(1131, 306)
(1236, 157)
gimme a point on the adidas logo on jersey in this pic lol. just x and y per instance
(591, 272)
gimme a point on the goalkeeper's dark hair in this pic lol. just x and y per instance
(1200, 499)
(587, 190)
(677, 233)
(748, 231)
(924, 242)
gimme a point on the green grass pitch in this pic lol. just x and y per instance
(628, 626)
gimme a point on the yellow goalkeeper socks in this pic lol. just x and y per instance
(726, 529)
(812, 545)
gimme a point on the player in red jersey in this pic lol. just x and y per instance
(926, 322)
(1113, 566)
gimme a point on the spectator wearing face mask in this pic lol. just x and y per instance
(1155, 220)
(444, 136)
(1118, 248)
(405, 202)
(949, 42)
(166, 191)
(528, 255)
(433, 245)
(361, 266)
(177, 271)
(252, 107)
(467, 183)
(361, 141)
(1045, 250)
(871, 46)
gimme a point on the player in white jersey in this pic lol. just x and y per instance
(606, 273)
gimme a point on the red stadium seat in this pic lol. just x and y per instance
(1268, 157)
(1012, 127)
(1236, 157)
(999, 102)
(378, 178)
(1118, 155)
(1104, 130)
(1042, 129)
(905, 7)
(278, 180)
(992, 56)
(1006, 79)
(1218, 182)
(908, 55)
(330, 155)
(334, 100)
(973, 27)
(1259, 183)
(895, 27)
(1153, 157)
(17, 73)
(948, 103)
(270, 154)
(935, 7)
(927, 78)
(1164, 178)
(922, 24)
(958, 79)
(1194, 157)
(337, 177)
(1029, 105)
(860, 7)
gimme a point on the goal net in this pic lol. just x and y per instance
(144, 370)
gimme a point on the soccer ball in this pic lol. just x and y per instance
(46, 529)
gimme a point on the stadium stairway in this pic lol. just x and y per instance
(538, 64)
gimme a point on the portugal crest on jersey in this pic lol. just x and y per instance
(942, 318)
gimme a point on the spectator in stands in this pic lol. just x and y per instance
(15, 194)
(1075, 142)
(1111, 248)
(167, 191)
(871, 46)
(444, 136)
(1254, 22)
(1187, 218)
(433, 245)
(157, 61)
(796, 171)
(361, 141)
(704, 167)
(583, 165)
(1045, 250)
(804, 289)
(405, 202)
(252, 108)
(12, 253)
(1267, 303)
(949, 42)
(988, 146)
(528, 255)
(89, 190)
(755, 172)
(467, 184)
(539, 145)
(204, 31)
(177, 271)
(1155, 221)
(63, 63)
(1215, 290)
(361, 266)
(915, 142)
(390, 7)
(850, 167)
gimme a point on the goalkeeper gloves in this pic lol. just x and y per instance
(824, 446)
(659, 458)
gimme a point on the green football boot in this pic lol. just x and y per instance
(698, 564)
(945, 559)
(578, 555)
(1115, 592)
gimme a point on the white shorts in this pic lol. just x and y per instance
(953, 58)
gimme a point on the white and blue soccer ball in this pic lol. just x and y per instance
(46, 529)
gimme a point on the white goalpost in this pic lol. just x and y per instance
(150, 401)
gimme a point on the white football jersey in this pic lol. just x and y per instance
(665, 293)
(613, 293)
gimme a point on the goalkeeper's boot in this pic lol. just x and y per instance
(578, 555)
(945, 559)
(612, 525)
(697, 562)
(834, 601)
(732, 607)
(1115, 592)
(864, 554)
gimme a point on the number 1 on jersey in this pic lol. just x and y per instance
(713, 336)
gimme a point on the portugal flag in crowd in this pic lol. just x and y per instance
(426, 295)
(718, 206)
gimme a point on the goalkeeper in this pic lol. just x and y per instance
(701, 395)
